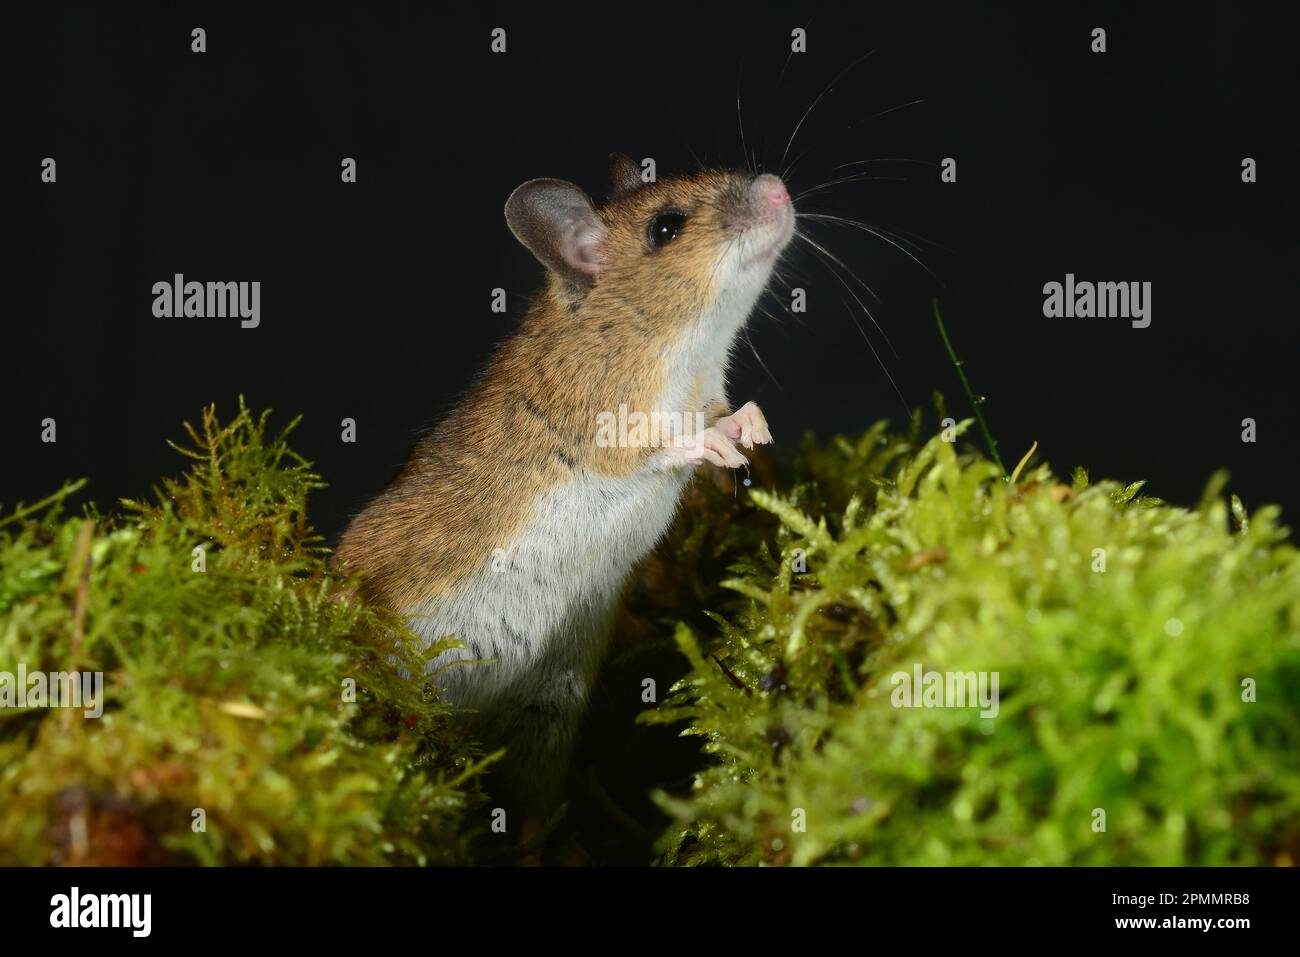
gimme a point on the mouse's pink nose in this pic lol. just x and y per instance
(769, 190)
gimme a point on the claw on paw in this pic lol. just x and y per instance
(713, 446)
(746, 425)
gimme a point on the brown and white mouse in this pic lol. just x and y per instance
(516, 523)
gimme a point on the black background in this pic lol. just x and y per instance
(225, 166)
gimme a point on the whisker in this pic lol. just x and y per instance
(883, 229)
(877, 116)
(855, 178)
(695, 156)
(762, 364)
(781, 277)
(718, 262)
(839, 262)
(911, 239)
(900, 233)
(790, 56)
(887, 159)
(831, 258)
(785, 307)
(902, 239)
(789, 170)
(854, 224)
(879, 361)
(740, 121)
(813, 106)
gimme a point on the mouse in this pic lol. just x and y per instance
(517, 521)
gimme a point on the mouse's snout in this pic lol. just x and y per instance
(764, 214)
(768, 191)
(764, 204)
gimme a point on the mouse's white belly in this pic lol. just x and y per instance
(541, 606)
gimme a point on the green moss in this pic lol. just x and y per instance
(1120, 690)
(227, 690)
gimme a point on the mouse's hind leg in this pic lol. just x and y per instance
(539, 738)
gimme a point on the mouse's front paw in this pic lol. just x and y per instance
(711, 445)
(746, 424)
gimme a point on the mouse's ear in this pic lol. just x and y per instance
(624, 173)
(557, 222)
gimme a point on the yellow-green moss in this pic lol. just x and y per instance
(1121, 690)
(227, 689)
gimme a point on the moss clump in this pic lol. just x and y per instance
(228, 674)
(1124, 691)
(228, 683)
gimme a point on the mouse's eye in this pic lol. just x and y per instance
(665, 227)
